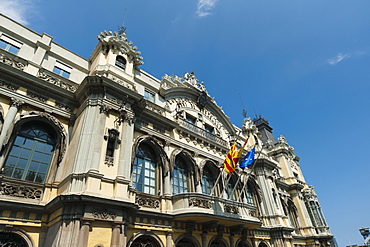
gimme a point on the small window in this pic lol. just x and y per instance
(9, 44)
(209, 128)
(62, 70)
(149, 95)
(190, 119)
(121, 62)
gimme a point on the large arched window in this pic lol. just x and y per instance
(144, 170)
(12, 239)
(185, 242)
(207, 180)
(180, 177)
(230, 190)
(31, 152)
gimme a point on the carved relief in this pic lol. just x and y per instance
(36, 96)
(20, 191)
(56, 81)
(200, 203)
(11, 62)
(231, 209)
(9, 86)
(63, 107)
(104, 214)
(123, 83)
(249, 127)
(147, 202)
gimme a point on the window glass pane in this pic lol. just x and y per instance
(30, 176)
(17, 173)
(8, 171)
(13, 49)
(36, 156)
(34, 166)
(3, 44)
(40, 178)
(22, 163)
(16, 151)
(25, 153)
(46, 158)
(19, 141)
(43, 168)
(56, 70)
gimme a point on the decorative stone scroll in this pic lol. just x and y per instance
(20, 191)
(11, 62)
(9, 86)
(104, 214)
(231, 209)
(200, 203)
(56, 81)
(147, 202)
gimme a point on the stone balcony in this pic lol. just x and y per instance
(189, 205)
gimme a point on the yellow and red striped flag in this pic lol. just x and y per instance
(232, 158)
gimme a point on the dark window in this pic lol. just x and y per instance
(179, 177)
(209, 128)
(31, 152)
(144, 241)
(144, 172)
(185, 243)
(190, 119)
(12, 239)
(121, 62)
(207, 181)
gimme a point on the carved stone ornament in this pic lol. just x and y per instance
(231, 209)
(9, 86)
(147, 202)
(56, 81)
(282, 140)
(36, 96)
(104, 214)
(16, 102)
(249, 127)
(202, 100)
(309, 194)
(11, 62)
(188, 80)
(200, 203)
(20, 191)
(117, 41)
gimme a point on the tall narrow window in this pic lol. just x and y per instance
(207, 181)
(31, 152)
(9, 44)
(144, 172)
(62, 70)
(180, 177)
(121, 62)
(230, 191)
(249, 196)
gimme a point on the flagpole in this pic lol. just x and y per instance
(218, 178)
(224, 185)
(248, 174)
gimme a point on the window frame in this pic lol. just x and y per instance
(62, 70)
(10, 44)
(182, 178)
(149, 95)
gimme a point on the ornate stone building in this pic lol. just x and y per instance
(97, 152)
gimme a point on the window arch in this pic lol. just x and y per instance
(31, 153)
(144, 170)
(207, 180)
(121, 62)
(180, 176)
(145, 241)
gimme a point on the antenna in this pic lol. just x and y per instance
(244, 112)
(122, 28)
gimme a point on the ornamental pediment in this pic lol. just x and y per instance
(118, 41)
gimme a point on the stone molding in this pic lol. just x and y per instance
(12, 62)
(22, 191)
(53, 79)
(200, 203)
(147, 202)
(104, 214)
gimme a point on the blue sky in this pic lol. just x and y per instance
(301, 64)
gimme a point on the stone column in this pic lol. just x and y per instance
(232, 240)
(169, 239)
(8, 123)
(117, 234)
(84, 233)
(125, 156)
(167, 189)
(204, 239)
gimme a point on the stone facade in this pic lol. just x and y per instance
(98, 152)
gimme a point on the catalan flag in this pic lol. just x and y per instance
(232, 158)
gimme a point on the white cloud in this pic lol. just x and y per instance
(205, 6)
(338, 58)
(18, 10)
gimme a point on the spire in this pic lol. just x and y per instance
(266, 131)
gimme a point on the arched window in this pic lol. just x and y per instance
(31, 152)
(217, 243)
(121, 62)
(11, 239)
(184, 242)
(144, 241)
(180, 177)
(230, 191)
(249, 196)
(207, 180)
(144, 170)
